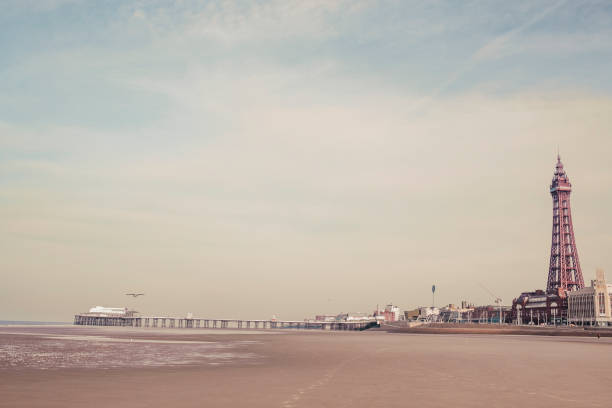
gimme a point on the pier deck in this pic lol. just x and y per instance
(194, 323)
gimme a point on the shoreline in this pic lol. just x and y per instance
(449, 328)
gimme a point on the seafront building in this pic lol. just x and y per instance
(591, 306)
(428, 314)
(390, 313)
(539, 307)
(412, 315)
(469, 313)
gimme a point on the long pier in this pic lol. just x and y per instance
(193, 323)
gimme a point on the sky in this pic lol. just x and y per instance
(244, 159)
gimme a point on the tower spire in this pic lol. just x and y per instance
(564, 273)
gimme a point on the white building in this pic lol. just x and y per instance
(108, 311)
(358, 317)
(393, 312)
(591, 305)
(429, 314)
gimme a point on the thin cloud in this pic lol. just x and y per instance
(492, 49)
(495, 47)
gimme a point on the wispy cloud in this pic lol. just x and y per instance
(495, 47)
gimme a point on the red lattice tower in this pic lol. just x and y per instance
(564, 273)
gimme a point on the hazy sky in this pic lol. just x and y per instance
(243, 159)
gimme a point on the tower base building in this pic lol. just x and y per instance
(591, 306)
(539, 307)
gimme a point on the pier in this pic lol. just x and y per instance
(194, 323)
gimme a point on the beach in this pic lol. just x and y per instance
(65, 366)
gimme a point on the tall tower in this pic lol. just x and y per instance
(564, 273)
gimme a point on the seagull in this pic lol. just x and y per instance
(134, 294)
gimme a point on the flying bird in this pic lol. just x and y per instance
(134, 294)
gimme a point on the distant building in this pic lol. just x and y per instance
(358, 317)
(412, 314)
(429, 314)
(390, 313)
(468, 313)
(102, 311)
(540, 307)
(466, 305)
(453, 313)
(344, 317)
(488, 314)
(325, 318)
(393, 312)
(591, 305)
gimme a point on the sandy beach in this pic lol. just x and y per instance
(62, 367)
(494, 329)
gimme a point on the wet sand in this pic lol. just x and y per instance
(55, 367)
(507, 329)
